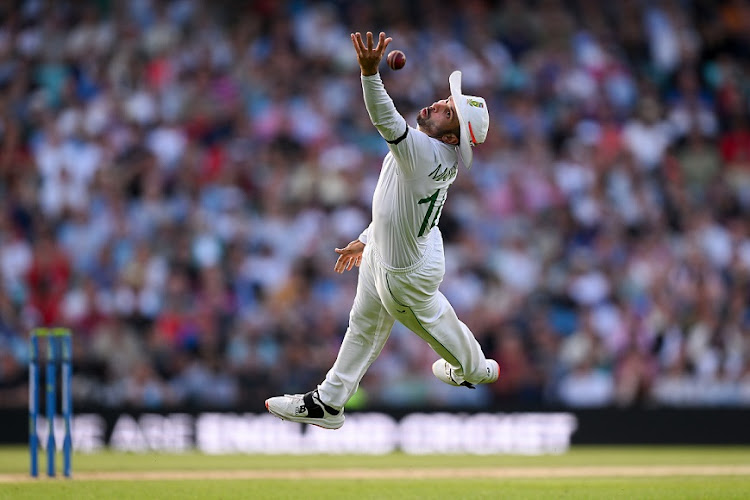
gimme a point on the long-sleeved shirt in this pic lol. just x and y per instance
(413, 183)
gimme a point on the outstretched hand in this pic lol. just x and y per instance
(367, 56)
(349, 256)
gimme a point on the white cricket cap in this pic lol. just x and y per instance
(473, 116)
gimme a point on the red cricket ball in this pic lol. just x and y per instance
(396, 59)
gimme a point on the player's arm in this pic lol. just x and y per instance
(379, 104)
(409, 146)
(365, 235)
(383, 114)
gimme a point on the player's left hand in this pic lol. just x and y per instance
(349, 256)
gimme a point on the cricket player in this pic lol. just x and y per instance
(400, 254)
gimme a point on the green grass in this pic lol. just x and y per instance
(658, 488)
(661, 488)
(15, 461)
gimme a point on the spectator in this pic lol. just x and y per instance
(172, 189)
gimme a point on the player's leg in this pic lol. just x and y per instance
(369, 328)
(415, 300)
(463, 361)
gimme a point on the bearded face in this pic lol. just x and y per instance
(439, 120)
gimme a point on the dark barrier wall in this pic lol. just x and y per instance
(601, 426)
(663, 426)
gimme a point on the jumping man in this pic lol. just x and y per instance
(400, 254)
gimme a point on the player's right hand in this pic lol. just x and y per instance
(349, 256)
(367, 56)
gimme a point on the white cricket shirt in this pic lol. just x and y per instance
(413, 183)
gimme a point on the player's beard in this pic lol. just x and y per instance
(427, 126)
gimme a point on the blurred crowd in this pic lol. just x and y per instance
(174, 177)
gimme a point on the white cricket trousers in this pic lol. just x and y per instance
(411, 296)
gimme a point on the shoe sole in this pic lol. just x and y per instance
(312, 421)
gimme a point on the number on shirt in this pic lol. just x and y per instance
(426, 222)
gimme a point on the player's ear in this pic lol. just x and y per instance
(450, 138)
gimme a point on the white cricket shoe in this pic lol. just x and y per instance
(305, 408)
(444, 372)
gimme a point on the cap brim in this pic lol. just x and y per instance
(464, 147)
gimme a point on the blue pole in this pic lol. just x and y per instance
(51, 396)
(34, 403)
(67, 398)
